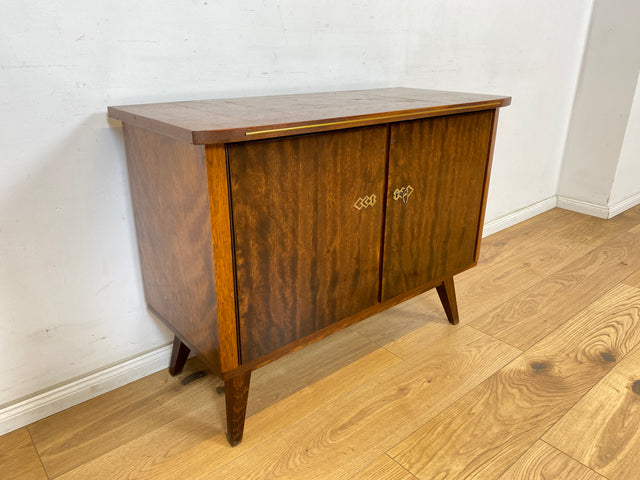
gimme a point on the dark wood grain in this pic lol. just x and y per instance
(252, 246)
(487, 178)
(179, 354)
(171, 209)
(331, 329)
(307, 244)
(236, 391)
(229, 120)
(434, 234)
(447, 293)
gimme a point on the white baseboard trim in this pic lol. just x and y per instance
(579, 206)
(596, 210)
(56, 399)
(518, 216)
(625, 204)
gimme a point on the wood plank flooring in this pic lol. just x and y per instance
(18, 457)
(541, 380)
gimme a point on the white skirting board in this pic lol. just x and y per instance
(599, 211)
(518, 216)
(587, 208)
(61, 397)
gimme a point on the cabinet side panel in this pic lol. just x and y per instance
(307, 215)
(170, 199)
(487, 175)
(443, 162)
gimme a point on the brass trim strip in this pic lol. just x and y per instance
(479, 106)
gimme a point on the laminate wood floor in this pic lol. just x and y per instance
(541, 380)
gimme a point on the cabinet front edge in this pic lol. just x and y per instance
(298, 128)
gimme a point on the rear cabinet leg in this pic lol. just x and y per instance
(179, 356)
(447, 294)
(236, 394)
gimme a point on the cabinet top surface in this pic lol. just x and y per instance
(241, 119)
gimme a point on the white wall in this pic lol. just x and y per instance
(71, 300)
(626, 185)
(529, 50)
(602, 106)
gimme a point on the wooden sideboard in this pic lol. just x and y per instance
(267, 223)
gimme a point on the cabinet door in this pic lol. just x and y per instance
(307, 220)
(437, 172)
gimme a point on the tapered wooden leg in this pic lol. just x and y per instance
(179, 356)
(447, 294)
(236, 392)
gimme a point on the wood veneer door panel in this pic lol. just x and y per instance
(442, 161)
(306, 257)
